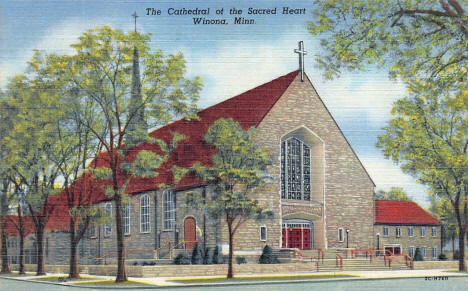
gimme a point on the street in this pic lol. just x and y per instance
(452, 283)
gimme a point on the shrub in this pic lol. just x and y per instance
(456, 255)
(196, 255)
(135, 263)
(443, 257)
(216, 259)
(267, 256)
(182, 259)
(418, 255)
(206, 256)
(241, 260)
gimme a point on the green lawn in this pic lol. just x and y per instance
(111, 283)
(63, 278)
(263, 278)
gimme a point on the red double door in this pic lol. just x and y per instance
(297, 237)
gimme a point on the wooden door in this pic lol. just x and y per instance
(190, 232)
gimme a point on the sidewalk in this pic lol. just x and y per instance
(245, 279)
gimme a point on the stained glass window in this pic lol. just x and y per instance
(295, 170)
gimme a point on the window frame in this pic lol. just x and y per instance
(126, 218)
(145, 209)
(434, 231)
(304, 162)
(424, 252)
(341, 234)
(108, 226)
(411, 251)
(387, 230)
(398, 231)
(434, 252)
(410, 231)
(266, 233)
(169, 210)
(423, 231)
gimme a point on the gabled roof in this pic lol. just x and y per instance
(402, 212)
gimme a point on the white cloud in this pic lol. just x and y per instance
(56, 39)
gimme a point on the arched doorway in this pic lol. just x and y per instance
(298, 233)
(190, 232)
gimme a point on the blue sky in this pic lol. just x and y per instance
(229, 58)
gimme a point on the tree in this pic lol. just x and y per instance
(103, 72)
(443, 210)
(33, 150)
(395, 193)
(238, 169)
(421, 38)
(427, 135)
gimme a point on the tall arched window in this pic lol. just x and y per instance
(126, 218)
(108, 226)
(295, 170)
(144, 213)
(169, 209)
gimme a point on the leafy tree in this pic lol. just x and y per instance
(395, 193)
(33, 149)
(427, 135)
(236, 172)
(103, 73)
(420, 38)
(443, 210)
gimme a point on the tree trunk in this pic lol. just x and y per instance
(73, 272)
(453, 244)
(229, 274)
(21, 254)
(121, 275)
(21, 235)
(40, 251)
(5, 266)
(461, 250)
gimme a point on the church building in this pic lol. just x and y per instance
(320, 194)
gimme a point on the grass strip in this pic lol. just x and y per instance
(108, 282)
(256, 278)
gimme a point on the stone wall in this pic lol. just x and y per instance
(179, 271)
(406, 241)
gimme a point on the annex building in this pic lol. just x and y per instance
(320, 194)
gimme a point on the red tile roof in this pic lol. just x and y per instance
(402, 212)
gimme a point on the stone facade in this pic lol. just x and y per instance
(421, 236)
(340, 195)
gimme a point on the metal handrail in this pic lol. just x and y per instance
(340, 258)
(320, 254)
(179, 244)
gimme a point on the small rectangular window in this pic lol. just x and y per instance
(424, 252)
(126, 218)
(263, 233)
(434, 231)
(423, 231)
(385, 231)
(92, 231)
(398, 231)
(410, 230)
(411, 251)
(169, 210)
(341, 234)
(434, 252)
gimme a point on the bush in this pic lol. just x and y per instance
(267, 256)
(196, 255)
(241, 260)
(456, 255)
(182, 259)
(418, 255)
(442, 257)
(216, 259)
(135, 263)
(206, 256)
